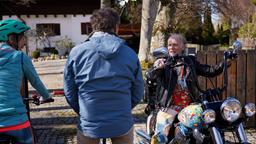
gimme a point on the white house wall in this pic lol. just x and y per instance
(70, 26)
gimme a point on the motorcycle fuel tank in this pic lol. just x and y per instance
(191, 116)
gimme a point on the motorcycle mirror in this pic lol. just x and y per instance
(161, 52)
(237, 45)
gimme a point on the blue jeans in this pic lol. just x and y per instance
(23, 136)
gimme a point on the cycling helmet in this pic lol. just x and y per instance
(11, 26)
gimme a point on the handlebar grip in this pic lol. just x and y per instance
(47, 100)
(35, 100)
(230, 55)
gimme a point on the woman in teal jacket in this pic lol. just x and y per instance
(14, 65)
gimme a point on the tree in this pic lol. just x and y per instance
(105, 3)
(247, 33)
(222, 35)
(163, 23)
(237, 12)
(248, 30)
(254, 2)
(149, 10)
(188, 20)
(208, 28)
(130, 12)
(133, 11)
(162, 17)
(171, 17)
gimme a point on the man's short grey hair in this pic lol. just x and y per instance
(105, 20)
(179, 38)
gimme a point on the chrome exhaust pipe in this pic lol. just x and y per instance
(149, 123)
(241, 133)
(216, 136)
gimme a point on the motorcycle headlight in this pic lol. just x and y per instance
(231, 109)
(249, 109)
(209, 116)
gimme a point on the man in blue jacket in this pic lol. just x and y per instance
(103, 82)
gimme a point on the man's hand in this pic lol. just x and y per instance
(231, 55)
(159, 64)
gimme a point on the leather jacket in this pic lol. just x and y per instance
(163, 81)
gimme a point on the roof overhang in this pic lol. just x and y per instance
(44, 7)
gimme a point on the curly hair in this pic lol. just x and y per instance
(104, 20)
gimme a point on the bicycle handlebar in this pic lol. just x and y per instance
(35, 100)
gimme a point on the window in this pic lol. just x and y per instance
(50, 29)
(86, 28)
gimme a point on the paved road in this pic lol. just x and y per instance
(51, 73)
(55, 123)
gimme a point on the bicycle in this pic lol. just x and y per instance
(6, 139)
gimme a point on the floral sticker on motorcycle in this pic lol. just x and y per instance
(191, 116)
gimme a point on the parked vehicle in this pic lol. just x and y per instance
(213, 116)
(224, 115)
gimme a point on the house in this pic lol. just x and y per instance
(52, 20)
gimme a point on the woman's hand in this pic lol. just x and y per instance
(159, 63)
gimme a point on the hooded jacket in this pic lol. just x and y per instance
(13, 66)
(102, 83)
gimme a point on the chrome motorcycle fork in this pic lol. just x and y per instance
(150, 124)
(241, 134)
(216, 136)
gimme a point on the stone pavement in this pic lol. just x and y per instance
(55, 123)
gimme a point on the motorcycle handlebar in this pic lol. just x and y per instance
(212, 92)
(171, 61)
(231, 54)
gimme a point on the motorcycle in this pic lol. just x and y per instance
(228, 114)
(213, 116)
